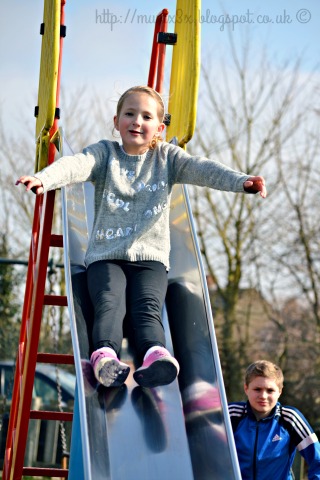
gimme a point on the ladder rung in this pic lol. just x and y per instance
(59, 300)
(56, 241)
(51, 415)
(45, 472)
(55, 358)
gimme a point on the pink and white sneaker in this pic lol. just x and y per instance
(108, 369)
(159, 368)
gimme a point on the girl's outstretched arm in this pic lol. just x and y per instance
(31, 183)
(254, 185)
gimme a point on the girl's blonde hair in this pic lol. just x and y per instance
(155, 95)
(266, 369)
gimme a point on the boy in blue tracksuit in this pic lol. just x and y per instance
(268, 434)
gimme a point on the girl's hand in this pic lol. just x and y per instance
(255, 185)
(31, 183)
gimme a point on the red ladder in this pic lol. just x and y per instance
(34, 301)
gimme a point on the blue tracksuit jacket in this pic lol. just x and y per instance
(266, 448)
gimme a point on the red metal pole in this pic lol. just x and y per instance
(161, 22)
(162, 52)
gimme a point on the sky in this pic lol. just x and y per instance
(108, 44)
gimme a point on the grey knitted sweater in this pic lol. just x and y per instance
(132, 195)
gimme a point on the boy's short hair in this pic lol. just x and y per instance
(264, 368)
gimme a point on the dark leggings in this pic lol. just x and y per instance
(138, 289)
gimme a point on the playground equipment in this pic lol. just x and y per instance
(125, 433)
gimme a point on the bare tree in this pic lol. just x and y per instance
(300, 259)
(256, 113)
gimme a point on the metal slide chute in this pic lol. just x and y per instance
(131, 432)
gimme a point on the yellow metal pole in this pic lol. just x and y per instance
(185, 72)
(48, 79)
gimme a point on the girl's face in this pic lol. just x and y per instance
(138, 122)
(263, 394)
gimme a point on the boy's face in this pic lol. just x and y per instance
(263, 393)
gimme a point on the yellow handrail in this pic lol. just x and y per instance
(48, 79)
(185, 72)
